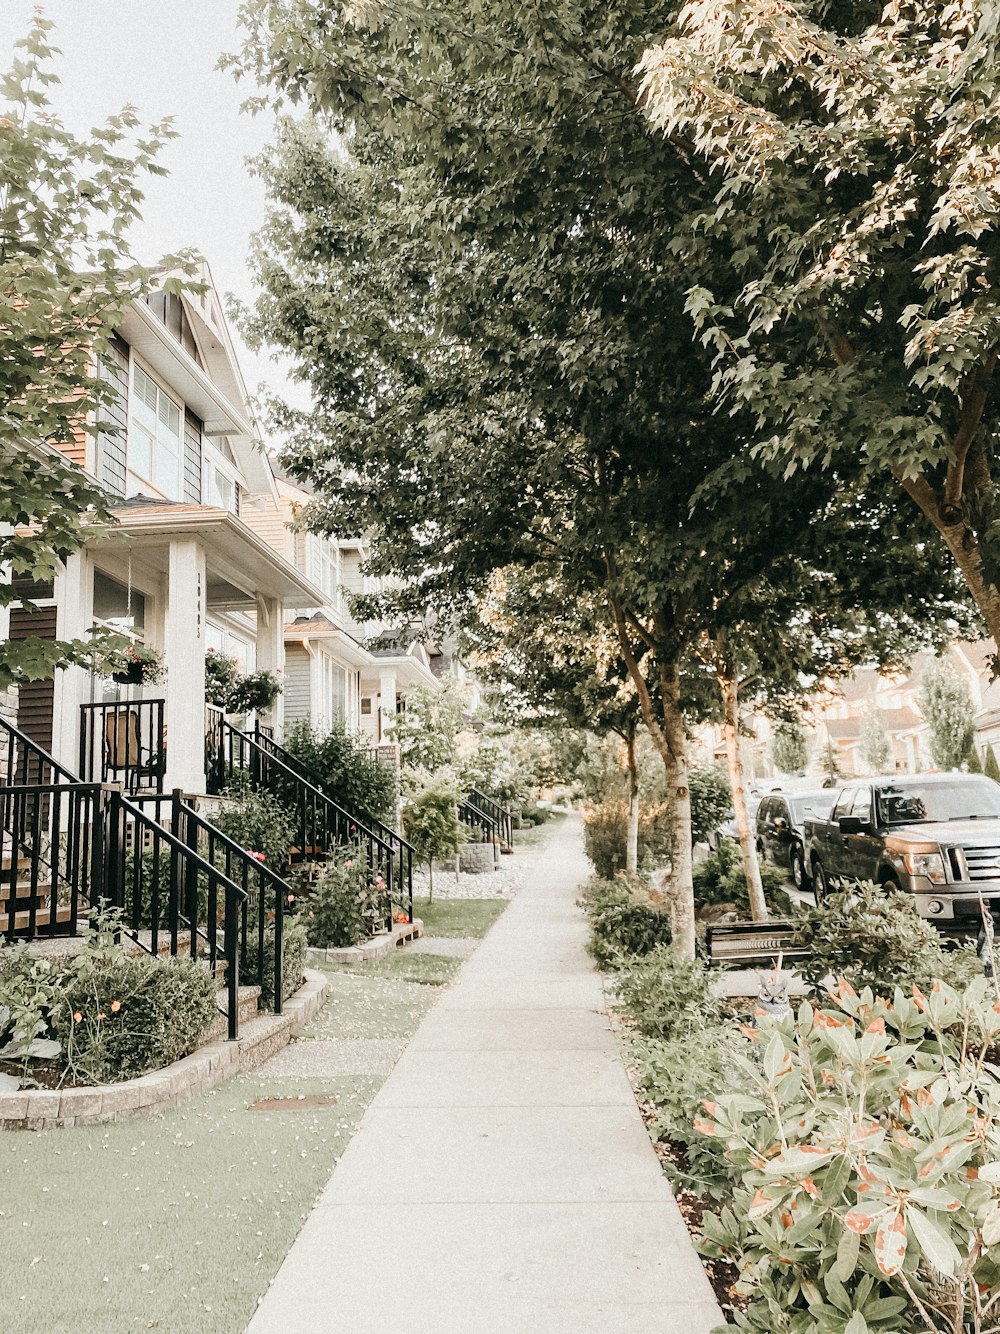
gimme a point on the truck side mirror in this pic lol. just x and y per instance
(852, 824)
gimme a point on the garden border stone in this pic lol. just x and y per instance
(202, 1070)
(368, 951)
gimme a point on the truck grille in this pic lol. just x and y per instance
(983, 863)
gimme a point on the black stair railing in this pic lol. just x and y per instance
(124, 742)
(50, 862)
(402, 848)
(321, 824)
(264, 893)
(483, 826)
(502, 817)
(172, 898)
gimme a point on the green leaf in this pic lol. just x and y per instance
(935, 1243)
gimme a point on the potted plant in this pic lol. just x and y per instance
(133, 665)
(221, 676)
(255, 690)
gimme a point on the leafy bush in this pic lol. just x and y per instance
(133, 1014)
(686, 1046)
(624, 921)
(260, 823)
(293, 960)
(348, 772)
(102, 1015)
(430, 822)
(535, 815)
(720, 879)
(874, 938)
(711, 799)
(605, 832)
(866, 1135)
(347, 905)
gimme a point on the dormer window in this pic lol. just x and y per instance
(155, 446)
(220, 486)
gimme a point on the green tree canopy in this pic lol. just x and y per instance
(66, 276)
(874, 743)
(856, 154)
(789, 748)
(947, 705)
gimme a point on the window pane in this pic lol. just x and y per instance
(141, 451)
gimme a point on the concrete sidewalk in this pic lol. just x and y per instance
(502, 1181)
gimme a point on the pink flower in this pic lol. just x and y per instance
(348, 864)
(257, 856)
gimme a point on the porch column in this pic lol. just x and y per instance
(271, 653)
(387, 701)
(184, 650)
(74, 595)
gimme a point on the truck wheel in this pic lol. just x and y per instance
(798, 869)
(821, 886)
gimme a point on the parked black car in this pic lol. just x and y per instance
(780, 821)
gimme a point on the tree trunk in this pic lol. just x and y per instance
(729, 686)
(963, 544)
(679, 795)
(430, 880)
(632, 839)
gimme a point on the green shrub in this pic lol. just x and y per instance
(347, 905)
(430, 821)
(605, 832)
(260, 823)
(720, 879)
(866, 1136)
(874, 938)
(133, 1014)
(348, 772)
(711, 799)
(685, 1046)
(624, 921)
(293, 960)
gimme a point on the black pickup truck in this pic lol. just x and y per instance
(935, 835)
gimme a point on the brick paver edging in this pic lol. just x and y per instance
(45, 1109)
(369, 950)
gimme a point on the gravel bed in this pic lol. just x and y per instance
(500, 884)
(311, 1058)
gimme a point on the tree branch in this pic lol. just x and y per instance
(969, 419)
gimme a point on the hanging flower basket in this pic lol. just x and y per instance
(132, 666)
(258, 690)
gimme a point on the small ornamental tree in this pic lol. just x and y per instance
(789, 748)
(427, 728)
(430, 822)
(947, 706)
(990, 766)
(874, 742)
(67, 205)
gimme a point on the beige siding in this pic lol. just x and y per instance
(271, 526)
(297, 701)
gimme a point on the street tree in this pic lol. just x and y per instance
(67, 204)
(856, 154)
(947, 706)
(480, 300)
(873, 741)
(789, 748)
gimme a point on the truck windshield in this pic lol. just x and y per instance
(913, 803)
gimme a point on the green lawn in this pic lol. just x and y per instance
(458, 917)
(178, 1222)
(532, 835)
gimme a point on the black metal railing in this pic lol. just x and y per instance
(172, 898)
(50, 857)
(321, 825)
(124, 742)
(264, 893)
(22, 761)
(500, 815)
(403, 851)
(483, 826)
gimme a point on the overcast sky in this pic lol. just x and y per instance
(160, 55)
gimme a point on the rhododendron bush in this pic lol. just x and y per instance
(866, 1140)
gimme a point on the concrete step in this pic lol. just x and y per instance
(44, 918)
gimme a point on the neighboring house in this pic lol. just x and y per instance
(336, 668)
(184, 572)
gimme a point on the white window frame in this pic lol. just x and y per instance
(177, 492)
(215, 465)
(323, 566)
